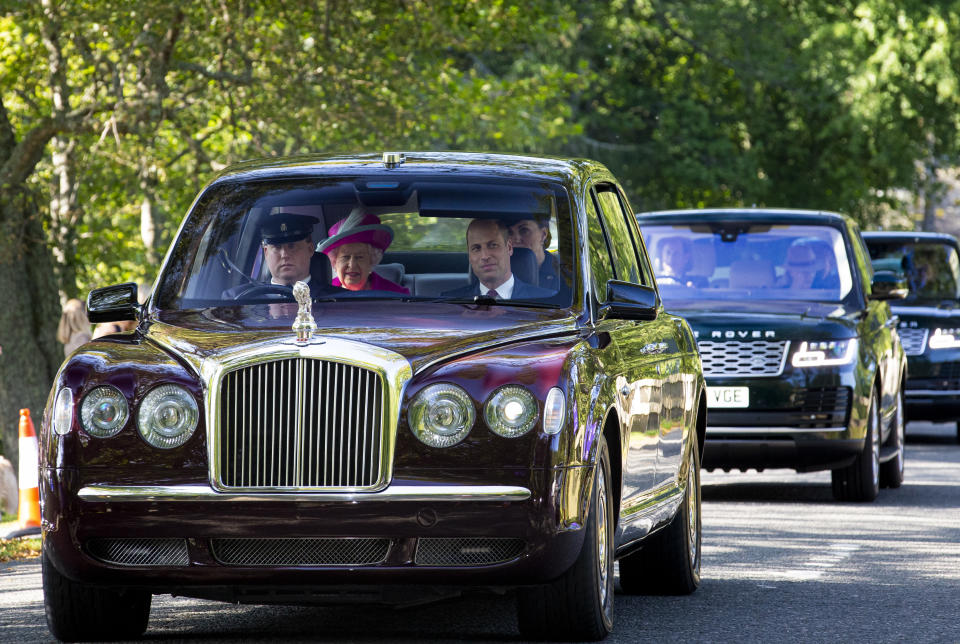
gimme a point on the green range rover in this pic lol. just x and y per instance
(929, 318)
(800, 351)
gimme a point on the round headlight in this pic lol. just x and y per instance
(167, 417)
(441, 415)
(104, 412)
(511, 411)
(63, 411)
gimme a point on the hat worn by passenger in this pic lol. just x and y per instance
(801, 257)
(358, 228)
(285, 227)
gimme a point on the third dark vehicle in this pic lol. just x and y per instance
(929, 318)
(803, 363)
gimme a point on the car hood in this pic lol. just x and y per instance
(767, 320)
(424, 333)
(927, 316)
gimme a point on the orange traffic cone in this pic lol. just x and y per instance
(28, 514)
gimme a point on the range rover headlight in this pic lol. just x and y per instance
(825, 354)
(63, 411)
(944, 339)
(441, 415)
(167, 417)
(511, 411)
(104, 412)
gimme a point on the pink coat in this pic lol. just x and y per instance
(377, 283)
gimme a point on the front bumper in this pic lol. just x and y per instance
(173, 538)
(800, 420)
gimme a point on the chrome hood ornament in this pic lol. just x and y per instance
(303, 325)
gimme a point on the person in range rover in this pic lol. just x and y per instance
(929, 318)
(802, 373)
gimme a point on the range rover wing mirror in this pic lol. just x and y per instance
(113, 303)
(888, 285)
(630, 301)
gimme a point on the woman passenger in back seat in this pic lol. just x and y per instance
(355, 246)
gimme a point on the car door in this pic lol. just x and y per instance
(878, 331)
(646, 348)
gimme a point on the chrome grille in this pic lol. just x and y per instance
(301, 423)
(736, 358)
(914, 340)
(300, 552)
(140, 552)
(479, 551)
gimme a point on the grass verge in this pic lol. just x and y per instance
(13, 549)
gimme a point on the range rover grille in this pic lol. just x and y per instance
(914, 340)
(736, 358)
(301, 423)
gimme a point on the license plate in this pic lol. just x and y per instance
(728, 397)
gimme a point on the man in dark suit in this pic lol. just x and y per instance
(287, 240)
(489, 249)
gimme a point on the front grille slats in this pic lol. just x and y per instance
(914, 341)
(466, 551)
(301, 423)
(737, 358)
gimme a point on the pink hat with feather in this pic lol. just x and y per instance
(358, 228)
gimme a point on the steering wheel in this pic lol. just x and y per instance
(264, 289)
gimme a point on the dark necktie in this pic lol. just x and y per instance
(493, 293)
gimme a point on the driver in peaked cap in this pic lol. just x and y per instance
(287, 240)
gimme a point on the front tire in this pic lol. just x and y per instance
(578, 606)
(669, 561)
(81, 613)
(860, 481)
(891, 472)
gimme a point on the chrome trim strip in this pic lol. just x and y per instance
(911, 393)
(134, 493)
(747, 431)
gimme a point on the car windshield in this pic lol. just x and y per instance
(931, 268)
(374, 238)
(721, 261)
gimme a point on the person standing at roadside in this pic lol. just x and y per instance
(74, 328)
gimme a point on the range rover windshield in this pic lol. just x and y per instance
(374, 238)
(721, 261)
(931, 268)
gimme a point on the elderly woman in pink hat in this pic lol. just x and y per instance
(354, 247)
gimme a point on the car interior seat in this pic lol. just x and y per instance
(752, 273)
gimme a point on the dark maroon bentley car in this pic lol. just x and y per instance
(387, 378)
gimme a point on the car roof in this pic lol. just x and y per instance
(414, 163)
(785, 215)
(910, 235)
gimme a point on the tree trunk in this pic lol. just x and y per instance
(28, 316)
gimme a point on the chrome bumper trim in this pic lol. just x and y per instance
(927, 393)
(748, 431)
(134, 493)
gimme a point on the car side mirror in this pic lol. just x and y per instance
(113, 303)
(888, 285)
(629, 301)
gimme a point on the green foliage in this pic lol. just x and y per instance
(770, 102)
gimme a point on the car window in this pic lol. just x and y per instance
(622, 244)
(601, 266)
(760, 261)
(932, 268)
(409, 239)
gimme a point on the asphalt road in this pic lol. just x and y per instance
(782, 562)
